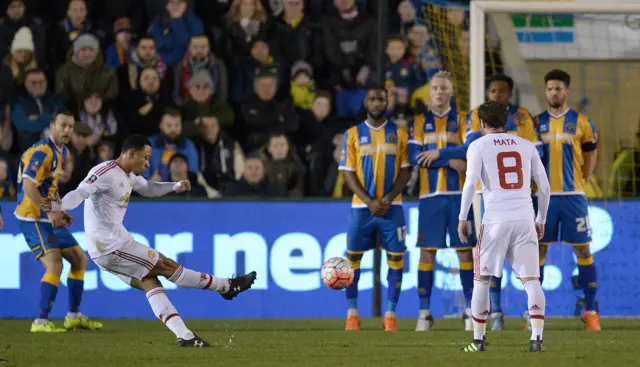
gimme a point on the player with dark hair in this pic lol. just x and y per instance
(505, 164)
(106, 193)
(569, 143)
(375, 165)
(520, 123)
(46, 233)
(437, 145)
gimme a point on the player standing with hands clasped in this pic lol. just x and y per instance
(107, 190)
(505, 164)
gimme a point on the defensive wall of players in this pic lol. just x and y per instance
(287, 242)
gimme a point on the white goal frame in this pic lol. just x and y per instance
(477, 26)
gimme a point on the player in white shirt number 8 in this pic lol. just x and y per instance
(505, 164)
(106, 193)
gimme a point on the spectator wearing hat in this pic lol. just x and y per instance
(168, 142)
(202, 102)
(142, 108)
(199, 58)
(68, 30)
(86, 73)
(32, 112)
(253, 182)
(221, 157)
(15, 65)
(118, 52)
(173, 31)
(303, 86)
(144, 55)
(179, 170)
(264, 113)
(245, 70)
(14, 20)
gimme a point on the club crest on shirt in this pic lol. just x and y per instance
(570, 127)
(151, 254)
(391, 138)
(452, 125)
(92, 179)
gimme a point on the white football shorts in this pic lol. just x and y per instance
(516, 242)
(133, 260)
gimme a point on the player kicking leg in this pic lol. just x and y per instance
(140, 267)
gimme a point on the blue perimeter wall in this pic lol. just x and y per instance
(286, 243)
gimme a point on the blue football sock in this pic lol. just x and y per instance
(588, 281)
(48, 292)
(352, 290)
(75, 284)
(495, 290)
(394, 280)
(425, 284)
(466, 278)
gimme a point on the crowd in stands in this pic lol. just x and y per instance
(243, 97)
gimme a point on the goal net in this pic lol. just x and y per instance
(596, 42)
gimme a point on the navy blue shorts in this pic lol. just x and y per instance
(568, 221)
(42, 237)
(438, 216)
(363, 228)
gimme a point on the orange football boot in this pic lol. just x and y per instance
(389, 323)
(353, 323)
(591, 321)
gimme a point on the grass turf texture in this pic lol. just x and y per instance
(125, 343)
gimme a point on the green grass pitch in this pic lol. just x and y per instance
(288, 343)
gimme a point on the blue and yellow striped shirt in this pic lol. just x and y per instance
(446, 133)
(564, 139)
(43, 164)
(376, 155)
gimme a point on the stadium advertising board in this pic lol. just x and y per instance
(286, 243)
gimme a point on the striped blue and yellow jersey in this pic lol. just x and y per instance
(564, 138)
(526, 130)
(376, 155)
(43, 164)
(446, 133)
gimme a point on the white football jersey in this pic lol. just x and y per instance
(505, 164)
(110, 188)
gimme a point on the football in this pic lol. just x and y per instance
(337, 273)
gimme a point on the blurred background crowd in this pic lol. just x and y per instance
(243, 97)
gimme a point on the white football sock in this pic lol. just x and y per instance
(188, 278)
(164, 310)
(40, 321)
(480, 308)
(536, 304)
(73, 315)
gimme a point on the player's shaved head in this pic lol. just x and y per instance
(493, 114)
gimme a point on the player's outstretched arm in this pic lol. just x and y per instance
(74, 198)
(154, 189)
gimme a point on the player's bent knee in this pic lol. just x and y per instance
(147, 283)
(482, 278)
(529, 279)
(427, 256)
(582, 252)
(76, 257)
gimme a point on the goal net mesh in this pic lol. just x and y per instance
(601, 52)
